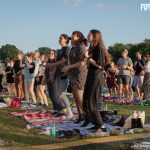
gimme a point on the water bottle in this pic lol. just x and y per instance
(53, 131)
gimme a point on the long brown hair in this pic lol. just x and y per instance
(98, 40)
(82, 39)
(55, 56)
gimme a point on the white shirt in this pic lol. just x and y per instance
(37, 64)
(147, 66)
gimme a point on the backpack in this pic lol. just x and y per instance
(15, 103)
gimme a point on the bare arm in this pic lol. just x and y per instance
(77, 65)
(29, 65)
(61, 62)
(94, 63)
(129, 67)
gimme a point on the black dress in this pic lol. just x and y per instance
(94, 83)
(9, 75)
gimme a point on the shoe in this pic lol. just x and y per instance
(70, 116)
(39, 104)
(85, 124)
(97, 128)
(54, 112)
(99, 133)
(44, 105)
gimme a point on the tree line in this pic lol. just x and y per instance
(9, 52)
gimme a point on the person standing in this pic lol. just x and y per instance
(146, 82)
(98, 57)
(77, 70)
(10, 78)
(62, 80)
(18, 76)
(41, 82)
(111, 78)
(125, 66)
(37, 63)
(29, 78)
(50, 80)
(2, 70)
(139, 74)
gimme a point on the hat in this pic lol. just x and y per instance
(125, 50)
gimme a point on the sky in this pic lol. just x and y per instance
(30, 24)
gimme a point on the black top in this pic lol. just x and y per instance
(62, 53)
(49, 70)
(31, 70)
(9, 72)
(97, 54)
(17, 67)
(137, 66)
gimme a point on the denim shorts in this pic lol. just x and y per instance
(124, 79)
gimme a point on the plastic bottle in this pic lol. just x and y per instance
(53, 131)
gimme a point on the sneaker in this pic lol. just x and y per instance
(99, 133)
(54, 112)
(70, 116)
(44, 105)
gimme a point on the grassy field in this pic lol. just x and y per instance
(14, 133)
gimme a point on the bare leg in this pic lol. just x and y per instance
(120, 92)
(39, 94)
(42, 91)
(31, 84)
(78, 95)
(27, 91)
(126, 92)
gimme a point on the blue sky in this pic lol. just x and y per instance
(30, 24)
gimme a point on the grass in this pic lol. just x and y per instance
(14, 133)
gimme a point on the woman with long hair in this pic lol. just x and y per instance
(111, 78)
(29, 78)
(98, 57)
(50, 80)
(40, 79)
(77, 70)
(10, 78)
(18, 75)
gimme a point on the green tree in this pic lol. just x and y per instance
(44, 50)
(8, 52)
(116, 49)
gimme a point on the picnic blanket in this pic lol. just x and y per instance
(68, 125)
(46, 121)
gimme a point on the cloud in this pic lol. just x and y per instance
(78, 2)
(66, 2)
(112, 7)
(100, 6)
(73, 2)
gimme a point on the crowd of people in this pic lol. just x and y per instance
(84, 67)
